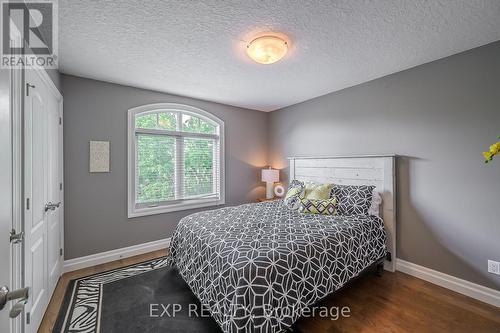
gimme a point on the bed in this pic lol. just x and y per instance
(257, 267)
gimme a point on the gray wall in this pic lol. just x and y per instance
(440, 117)
(96, 204)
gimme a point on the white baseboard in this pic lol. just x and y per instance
(476, 291)
(103, 257)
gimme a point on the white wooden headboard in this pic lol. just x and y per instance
(376, 170)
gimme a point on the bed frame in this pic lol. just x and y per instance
(376, 170)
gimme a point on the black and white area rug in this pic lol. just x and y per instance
(147, 297)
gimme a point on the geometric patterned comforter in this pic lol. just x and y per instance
(257, 267)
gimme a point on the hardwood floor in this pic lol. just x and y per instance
(395, 302)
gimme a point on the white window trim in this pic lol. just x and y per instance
(133, 211)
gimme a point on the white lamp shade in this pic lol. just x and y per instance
(270, 175)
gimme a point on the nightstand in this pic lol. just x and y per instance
(265, 200)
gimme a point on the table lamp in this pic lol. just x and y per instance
(270, 176)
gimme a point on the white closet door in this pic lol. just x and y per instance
(42, 179)
(54, 217)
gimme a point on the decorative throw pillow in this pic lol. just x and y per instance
(375, 205)
(318, 191)
(295, 192)
(315, 206)
(353, 200)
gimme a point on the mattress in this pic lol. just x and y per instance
(257, 267)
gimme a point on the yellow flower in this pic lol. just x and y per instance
(495, 148)
(487, 155)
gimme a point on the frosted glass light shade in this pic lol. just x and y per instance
(267, 49)
(270, 175)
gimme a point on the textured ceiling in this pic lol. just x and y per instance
(197, 48)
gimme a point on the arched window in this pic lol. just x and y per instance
(175, 159)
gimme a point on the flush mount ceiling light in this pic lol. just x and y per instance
(267, 49)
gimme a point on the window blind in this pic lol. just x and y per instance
(200, 167)
(177, 159)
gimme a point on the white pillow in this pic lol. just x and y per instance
(376, 202)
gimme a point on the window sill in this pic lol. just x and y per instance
(179, 206)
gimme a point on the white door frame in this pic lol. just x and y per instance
(16, 102)
(17, 99)
(6, 274)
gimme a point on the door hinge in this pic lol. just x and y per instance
(60, 121)
(16, 237)
(60, 186)
(28, 203)
(28, 317)
(60, 252)
(28, 86)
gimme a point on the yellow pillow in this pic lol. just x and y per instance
(318, 191)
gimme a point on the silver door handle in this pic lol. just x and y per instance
(17, 308)
(22, 295)
(6, 295)
(52, 206)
